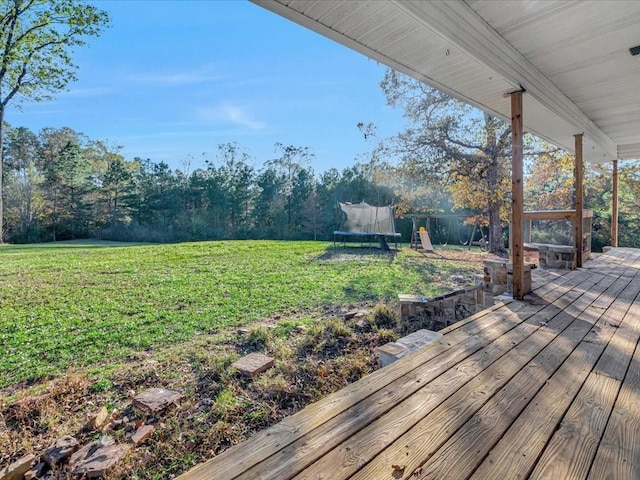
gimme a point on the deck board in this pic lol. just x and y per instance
(618, 455)
(472, 442)
(519, 449)
(547, 387)
(572, 448)
(544, 348)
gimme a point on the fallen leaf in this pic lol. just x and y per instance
(398, 468)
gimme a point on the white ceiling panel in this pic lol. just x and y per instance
(571, 57)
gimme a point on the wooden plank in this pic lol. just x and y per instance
(618, 455)
(517, 196)
(615, 360)
(474, 440)
(470, 444)
(516, 453)
(423, 440)
(572, 448)
(549, 215)
(570, 451)
(554, 214)
(361, 441)
(628, 272)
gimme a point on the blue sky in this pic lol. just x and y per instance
(170, 80)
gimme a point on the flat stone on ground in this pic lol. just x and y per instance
(36, 471)
(17, 469)
(142, 434)
(253, 364)
(84, 452)
(351, 314)
(100, 461)
(156, 399)
(61, 449)
(388, 353)
(98, 419)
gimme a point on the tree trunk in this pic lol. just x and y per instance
(496, 244)
(114, 216)
(1, 174)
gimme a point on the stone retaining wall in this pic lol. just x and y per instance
(441, 311)
(557, 256)
(553, 256)
(392, 351)
(498, 277)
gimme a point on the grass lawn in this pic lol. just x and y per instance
(88, 325)
(74, 304)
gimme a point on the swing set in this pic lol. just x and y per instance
(445, 229)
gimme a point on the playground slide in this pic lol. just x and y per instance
(425, 241)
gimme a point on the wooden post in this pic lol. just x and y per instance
(614, 206)
(526, 231)
(517, 196)
(579, 173)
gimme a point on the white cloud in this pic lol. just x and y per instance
(230, 113)
(202, 75)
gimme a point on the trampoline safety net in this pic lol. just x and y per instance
(365, 218)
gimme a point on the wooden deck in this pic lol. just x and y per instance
(544, 388)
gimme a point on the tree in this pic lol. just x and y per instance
(269, 204)
(237, 175)
(294, 188)
(629, 198)
(37, 38)
(454, 144)
(116, 179)
(112, 176)
(68, 186)
(22, 183)
(549, 183)
(450, 142)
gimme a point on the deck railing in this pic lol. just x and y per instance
(587, 221)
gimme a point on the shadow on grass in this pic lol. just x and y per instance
(69, 244)
(343, 253)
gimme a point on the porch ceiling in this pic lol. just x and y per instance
(571, 57)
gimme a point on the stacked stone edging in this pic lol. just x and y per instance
(443, 310)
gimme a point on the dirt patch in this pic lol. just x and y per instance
(349, 254)
(475, 256)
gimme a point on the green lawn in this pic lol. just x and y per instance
(95, 303)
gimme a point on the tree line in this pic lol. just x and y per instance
(60, 185)
(57, 184)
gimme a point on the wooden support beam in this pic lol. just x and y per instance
(549, 215)
(579, 175)
(517, 245)
(614, 206)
